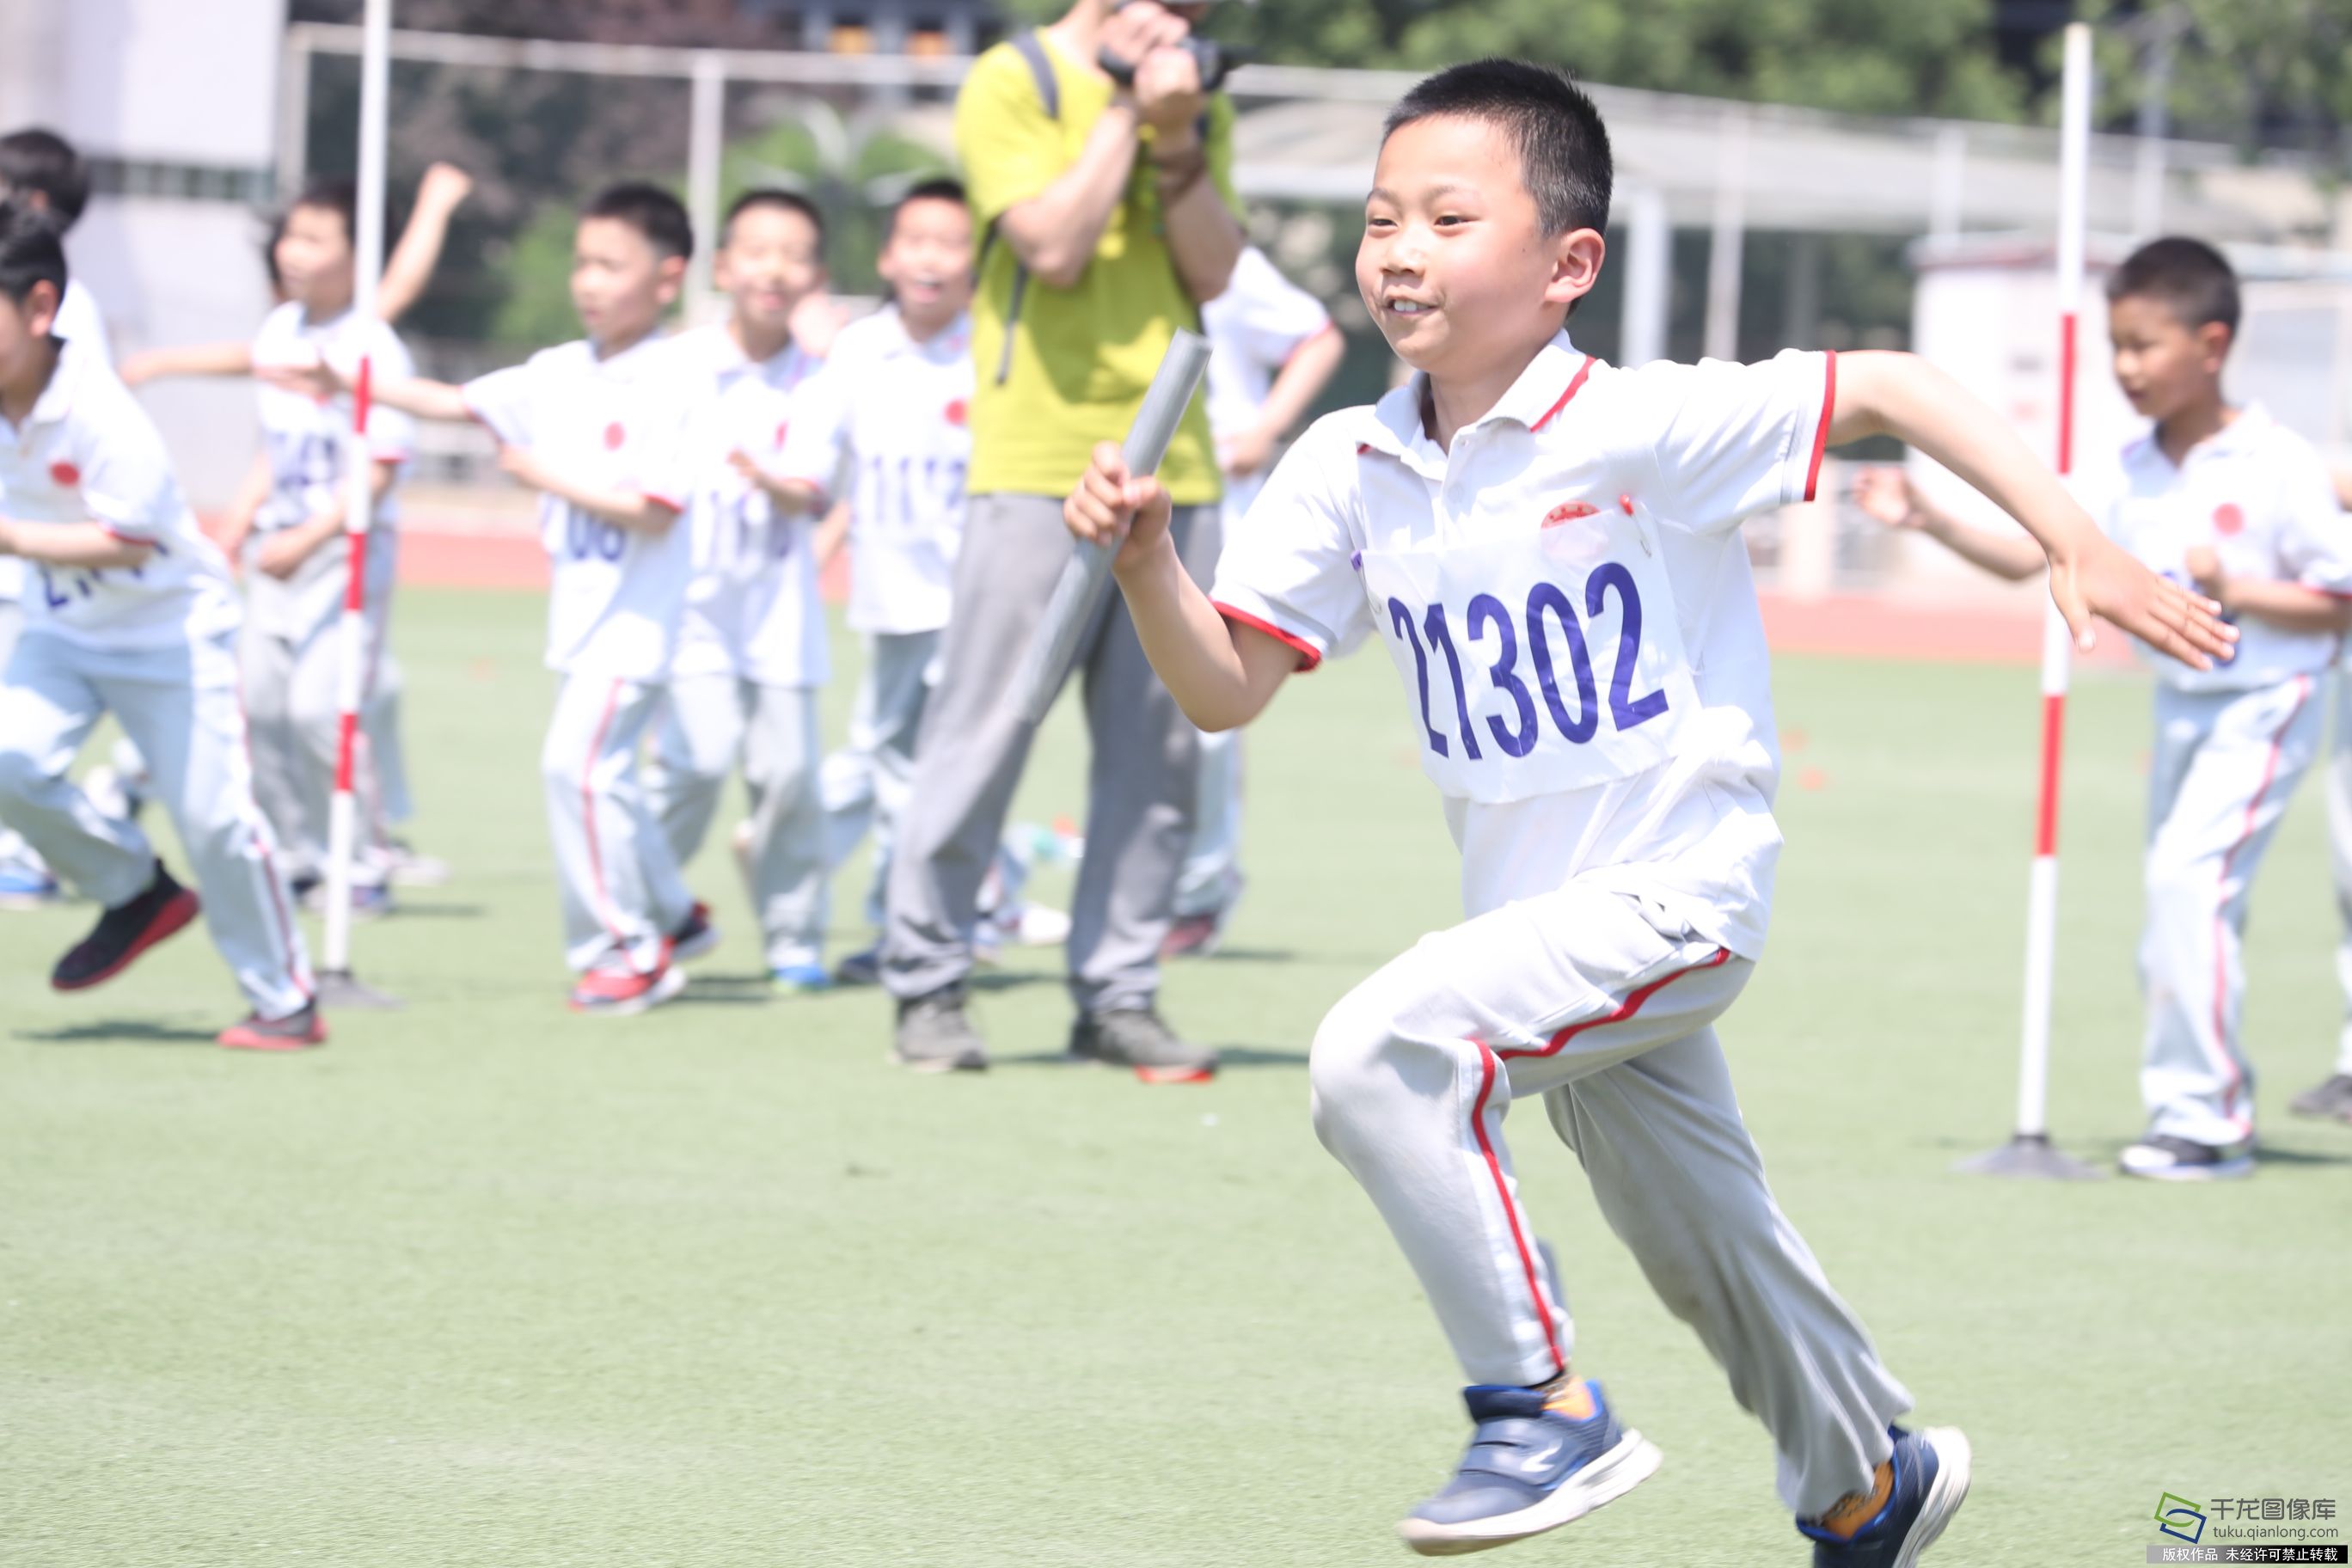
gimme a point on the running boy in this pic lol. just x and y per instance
(296, 550)
(1550, 548)
(891, 407)
(598, 427)
(131, 611)
(751, 648)
(2230, 501)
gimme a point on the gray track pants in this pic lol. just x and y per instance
(709, 721)
(1141, 785)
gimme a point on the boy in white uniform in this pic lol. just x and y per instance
(890, 408)
(751, 648)
(130, 612)
(1550, 549)
(599, 428)
(41, 171)
(296, 551)
(2235, 503)
(1272, 350)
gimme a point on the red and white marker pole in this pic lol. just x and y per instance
(2028, 1152)
(359, 513)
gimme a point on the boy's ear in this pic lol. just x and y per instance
(1576, 263)
(40, 309)
(2214, 339)
(669, 277)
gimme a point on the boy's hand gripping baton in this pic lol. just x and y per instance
(1088, 573)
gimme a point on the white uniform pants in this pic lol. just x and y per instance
(2225, 765)
(1211, 882)
(2339, 843)
(865, 785)
(623, 895)
(1577, 996)
(180, 708)
(16, 854)
(709, 722)
(292, 685)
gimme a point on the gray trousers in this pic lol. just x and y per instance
(1141, 785)
(708, 722)
(866, 782)
(1577, 997)
(1212, 880)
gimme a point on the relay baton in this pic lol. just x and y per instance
(1087, 572)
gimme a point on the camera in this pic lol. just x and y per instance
(1216, 61)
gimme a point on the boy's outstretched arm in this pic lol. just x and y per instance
(639, 510)
(1888, 496)
(1221, 674)
(1900, 395)
(417, 397)
(2290, 606)
(409, 269)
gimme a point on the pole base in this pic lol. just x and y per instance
(338, 988)
(2031, 1155)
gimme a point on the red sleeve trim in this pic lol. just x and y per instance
(1307, 654)
(659, 499)
(118, 536)
(1330, 328)
(1822, 426)
(1574, 387)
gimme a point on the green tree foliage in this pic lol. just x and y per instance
(2269, 73)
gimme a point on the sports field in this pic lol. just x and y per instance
(486, 1284)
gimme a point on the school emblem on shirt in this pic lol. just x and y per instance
(2229, 518)
(64, 474)
(958, 412)
(1568, 511)
(614, 435)
(781, 425)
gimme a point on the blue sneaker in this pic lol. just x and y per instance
(1929, 1481)
(22, 888)
(1539, 1459)
(799, 979)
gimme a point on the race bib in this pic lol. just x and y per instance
(1539, 664)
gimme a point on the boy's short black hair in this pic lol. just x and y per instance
(30, 251)
(2187, 276)
(330, 193)
(775, 200)
(941, 189)
(651, 211)
(43, 161)
(1564, 158)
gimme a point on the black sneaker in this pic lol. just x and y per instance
(125, 932)
(2161, 1157)
(859, 968)
(934, 1034)
(1135, 1037)
(697, 935)
(2331, 1100)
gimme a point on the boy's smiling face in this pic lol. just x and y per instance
(620, 283)
(773, 260)
(1455, 265)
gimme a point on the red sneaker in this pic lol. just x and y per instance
(295, 1031)
(617, 993)
(125, 932)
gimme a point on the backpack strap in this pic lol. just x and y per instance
(1031, 46)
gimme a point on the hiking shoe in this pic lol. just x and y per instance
(799, 979)
(935, 1035)
(696, 935)
(1193, 936)
(2331, 1100)
(125, 932)
(2161, 1157)
(1915, 1495)
(1135, 1037)
(617, 993)
(1538, 1458)
(295, 1031)
(860, 968)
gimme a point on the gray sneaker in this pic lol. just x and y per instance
(2332, 1099)
(1135, 1037)
(934, 1034)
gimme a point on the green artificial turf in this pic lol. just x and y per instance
(486, 1284)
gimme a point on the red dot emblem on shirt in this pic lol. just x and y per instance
(781, 425)
(614, 435)
(64, 474)
(958, 412)
(2229, 518)
(1568, 511)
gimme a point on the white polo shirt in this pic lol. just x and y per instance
(752, 610)
(305, 437)
(1567, 599)
(896, 413)
(616, 421)
(2261, 498)
(80, 324)
(1254, 327)
(88, 453)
